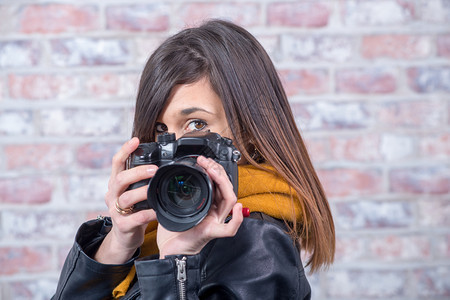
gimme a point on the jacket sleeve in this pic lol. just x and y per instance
(81, 276)
(260, 262)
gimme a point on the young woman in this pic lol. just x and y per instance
(216, 77)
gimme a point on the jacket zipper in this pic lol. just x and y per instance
(181, 277)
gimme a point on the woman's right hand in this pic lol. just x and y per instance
(127, 233)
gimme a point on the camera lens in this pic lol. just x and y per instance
(181, 195)
(183, 190)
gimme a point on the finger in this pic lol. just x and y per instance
(119, 159)
(131, 197)
(129, 223)
(120, 183)
(222, 208)
(223, 184)
(218, 175)
(127, 177)
(229, 229)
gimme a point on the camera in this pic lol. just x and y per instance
(181, 192)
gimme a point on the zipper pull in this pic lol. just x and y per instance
(181, 276)
(181, 267)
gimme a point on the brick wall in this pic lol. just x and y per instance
(369, 82)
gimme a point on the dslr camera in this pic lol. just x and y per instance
(181, 192)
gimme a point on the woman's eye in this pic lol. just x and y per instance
(196, 125)
(160, 127)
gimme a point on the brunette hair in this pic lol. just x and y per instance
(257, 111)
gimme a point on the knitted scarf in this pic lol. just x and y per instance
(259, 190)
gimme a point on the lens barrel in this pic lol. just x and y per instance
(181, 194)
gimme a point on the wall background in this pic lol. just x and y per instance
(369, 82)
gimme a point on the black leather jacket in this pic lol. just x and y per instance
(260, 262)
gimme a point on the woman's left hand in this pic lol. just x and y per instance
(213, 226)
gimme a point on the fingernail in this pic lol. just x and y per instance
(151, 170)
(202, 158)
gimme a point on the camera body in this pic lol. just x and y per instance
(181, 192)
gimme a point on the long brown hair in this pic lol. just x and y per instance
(257, 110)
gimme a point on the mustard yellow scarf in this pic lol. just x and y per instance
(259, 190)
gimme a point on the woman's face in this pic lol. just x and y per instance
(193, 107)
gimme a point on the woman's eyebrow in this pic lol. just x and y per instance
(190, 110)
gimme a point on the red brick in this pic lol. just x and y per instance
(443, 246)
(270, 43)
(359, 148)
(420, 180)
(443, 46)
(105, 85)
(8, 15)
(429, 79)
(340, 182)
(25, 190)
(34, 225)
(16, 122)
(43, 86)
(19, 54)
(57, 18)
(89, 189)
(325, 115)
(381, 12)
(434, 213)
(373, 215)
(82, 122)
(38, 157)
(433, 282)
(400, 248)
(89, 52)
(318, 149)
(435, 146)
(144, 47)
(366, 81)
(193, 14)
(309, 82)
(306, 14)
(112, 85)
(366, 284)
(62, 253)
(396, 46)
(96, 156)
(350, 249)
(145, 17)
(39, 288)
(318, 48)
(15, 260)
(2, 89)
(411, 114)
(434, 12)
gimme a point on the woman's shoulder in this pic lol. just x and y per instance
(263, 232)
(261, 257)
(259, 235)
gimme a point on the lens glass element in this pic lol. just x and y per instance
(184, 190)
